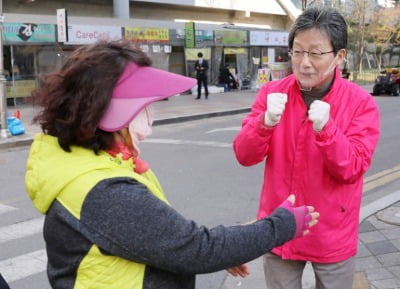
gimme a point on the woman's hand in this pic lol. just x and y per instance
(240, 270)
(305, 216)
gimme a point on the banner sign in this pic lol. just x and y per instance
(191, 53)
(269, 38)
(190, 38)
(29, 32)
(203, 35)
(230, 37)
(62, 25)
(232, 50)
(263, 76)
(86, 34)
(19, 88)
(146, 34)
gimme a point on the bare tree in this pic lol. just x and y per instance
(306, 3)
(357, 14)
(384, 31)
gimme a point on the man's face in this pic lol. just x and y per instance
(313, 58)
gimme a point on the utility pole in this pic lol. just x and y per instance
(3, 101)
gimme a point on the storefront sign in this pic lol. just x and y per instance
(167, 48)
(190, 38)
(234, 50)
(191, 53)
(269, 38)
(230, 37)
(144, 48)
(86, 34)
(156, 48)
(146, 34)
(28, 32)
(20, 88)
(271, 55)
(203, 35)
(62, 25)
(263, 75)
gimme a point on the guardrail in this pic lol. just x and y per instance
(365, 76)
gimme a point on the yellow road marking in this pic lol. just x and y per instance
(381, 178)
(381, 173)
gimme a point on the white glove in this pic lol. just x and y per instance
(275, 106)
(319, 114)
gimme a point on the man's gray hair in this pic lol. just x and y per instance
(328, 20)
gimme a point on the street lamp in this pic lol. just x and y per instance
(3, 101)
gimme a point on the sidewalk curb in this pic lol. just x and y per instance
(379, 205)
(26, 139)
(16, 141)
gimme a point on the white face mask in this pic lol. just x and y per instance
(325, 74)
(141, 126)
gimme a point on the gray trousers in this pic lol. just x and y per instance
(287, 274)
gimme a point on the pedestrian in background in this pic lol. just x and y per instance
(201, 67)
(316, 133)
(226, 78)
(108, 223)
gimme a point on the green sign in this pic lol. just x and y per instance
(230, 37)
(29, 32)
(190, 37)
(202, 35)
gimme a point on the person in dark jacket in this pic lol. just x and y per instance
(108, 223)
(201, 67)
(226, 78)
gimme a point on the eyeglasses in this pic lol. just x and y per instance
(313, 55)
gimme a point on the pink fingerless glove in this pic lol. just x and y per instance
(301, 215)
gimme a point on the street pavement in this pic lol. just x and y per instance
(378, 259)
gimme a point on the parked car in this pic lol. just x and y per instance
(387, 83)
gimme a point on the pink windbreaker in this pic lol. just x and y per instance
(323, 169)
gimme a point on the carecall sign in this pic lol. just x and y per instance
(86, 34)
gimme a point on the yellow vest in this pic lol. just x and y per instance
(96, 270)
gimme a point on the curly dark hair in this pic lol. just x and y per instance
(75, 98)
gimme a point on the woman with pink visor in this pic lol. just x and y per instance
(108, 224)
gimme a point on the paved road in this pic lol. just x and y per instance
(378, 261)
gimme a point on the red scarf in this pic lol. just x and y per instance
(140, 166)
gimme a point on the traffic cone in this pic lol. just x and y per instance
(17, 114)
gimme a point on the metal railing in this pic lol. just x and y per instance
(365, 76)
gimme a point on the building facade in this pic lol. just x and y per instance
(248, 35)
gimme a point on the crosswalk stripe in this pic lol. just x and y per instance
(21, 230)
(188, 142)
(23, 266)
(233, 128)
(6, 209)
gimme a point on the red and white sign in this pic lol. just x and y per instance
(86, 34)
(269, 38)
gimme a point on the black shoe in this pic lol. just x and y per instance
(197, 97)
(207, 96)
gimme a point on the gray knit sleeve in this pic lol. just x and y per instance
(124, 219)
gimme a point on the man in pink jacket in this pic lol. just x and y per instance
(316, 133)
